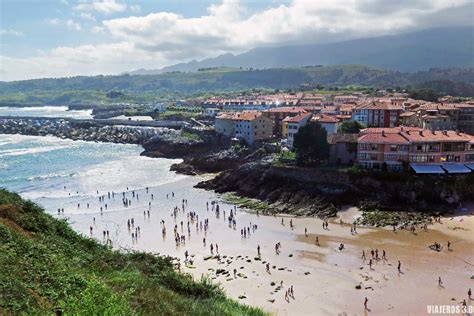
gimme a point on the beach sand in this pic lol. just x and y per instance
(324, 278)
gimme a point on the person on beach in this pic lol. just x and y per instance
(363, 254)
(383, 255)
(449, 245)
(267, 266)
(91, 228)
(306, 232)
(370, 264)
(258, 250)
(469, 293)
(440, 282)
(366, 301)
(399, 266)
(317, 241)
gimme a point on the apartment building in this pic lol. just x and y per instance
(394, 146)
(277, 115)
(293, 124)
(248, 126)
(252, 126)
(378, 113)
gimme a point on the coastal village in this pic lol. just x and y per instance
(431, 137)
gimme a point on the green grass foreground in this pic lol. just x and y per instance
(45, 265)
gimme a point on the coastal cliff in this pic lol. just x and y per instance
(322, 192)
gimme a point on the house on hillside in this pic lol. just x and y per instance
(342, 148)
(330, 123)
(293, 124)
(251, 126)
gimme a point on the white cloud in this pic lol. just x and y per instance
(225, 28)
(87, 16)
(54, 21)
(70, 24)
(163, 38)
(102, 6)
(98, 29)
(73, 25)
(11, 32)
(135, 8)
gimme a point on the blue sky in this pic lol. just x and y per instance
(55, 38)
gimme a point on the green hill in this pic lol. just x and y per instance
(45, 266)
(137, 88)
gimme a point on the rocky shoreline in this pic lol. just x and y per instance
(87, 131)
(323, 192)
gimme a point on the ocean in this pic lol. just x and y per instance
(45, 111)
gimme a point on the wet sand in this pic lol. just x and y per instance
(324, 278)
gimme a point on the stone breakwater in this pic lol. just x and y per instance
(87, 131)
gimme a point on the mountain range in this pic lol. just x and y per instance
(408, 52)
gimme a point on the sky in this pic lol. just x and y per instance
(62, 38)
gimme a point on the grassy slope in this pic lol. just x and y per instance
(46, 265)
(144, 88)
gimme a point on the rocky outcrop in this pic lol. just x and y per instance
(81, 131)
(321, 192)
(184, 144)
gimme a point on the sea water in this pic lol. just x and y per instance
(72, 175)
(45, 111)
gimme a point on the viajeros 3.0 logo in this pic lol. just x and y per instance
(450, 309)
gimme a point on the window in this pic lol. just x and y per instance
(393, 147)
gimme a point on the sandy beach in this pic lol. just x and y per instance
(324, 278)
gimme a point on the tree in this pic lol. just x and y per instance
(311, 144)
(350, 127)
(424, 94)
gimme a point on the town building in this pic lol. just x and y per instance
(342, 148)
(347, 99)
(211, 112)
(330, 123)
(251, 126)
(392, 147)
(277, 115)
(224, 124)
(293, 124)
(248, 126)
(378, 113)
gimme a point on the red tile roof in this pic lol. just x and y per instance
(325, 119)
(389, 130)
(378, 105)
(298, 118)
(436, 136)
(286, 109)
(379, 138)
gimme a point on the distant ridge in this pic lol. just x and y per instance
(409, 52)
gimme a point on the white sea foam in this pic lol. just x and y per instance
(28, 151)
